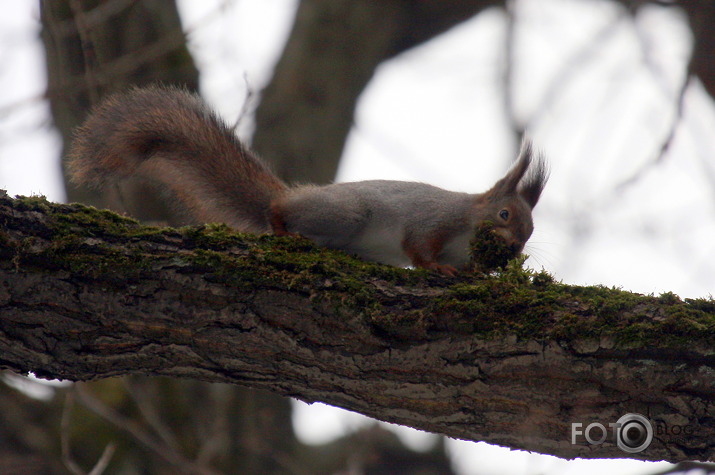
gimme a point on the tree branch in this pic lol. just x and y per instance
(334, 48)
(511, 359)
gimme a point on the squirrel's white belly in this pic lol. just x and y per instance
(381, 244)
(384, 244)
(456, 250)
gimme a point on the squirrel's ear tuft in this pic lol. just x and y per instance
(517, 171)
(533, 183)
(508, 184)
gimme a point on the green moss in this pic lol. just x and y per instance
(84, 221)
(488, 251)
(32, 203)
(69, 230)
(669, 298)
(532, 306)
(215, 236)
(495, 305)
(542, 279)
(705, 305)
(511, 300)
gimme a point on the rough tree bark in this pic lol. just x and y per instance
(511, 359)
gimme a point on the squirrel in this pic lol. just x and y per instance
(169, 135)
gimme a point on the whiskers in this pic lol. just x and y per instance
(541, 258)
(540, 253)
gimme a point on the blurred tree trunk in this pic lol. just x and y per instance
(701, 14)
(95, 47)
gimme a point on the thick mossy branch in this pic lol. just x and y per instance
(510, 357)
(102, 245)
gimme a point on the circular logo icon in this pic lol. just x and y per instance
(634, 433)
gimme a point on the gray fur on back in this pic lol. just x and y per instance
(376, 216)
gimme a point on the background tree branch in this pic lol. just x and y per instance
(307, 110)
(95, 47)
(511, 359)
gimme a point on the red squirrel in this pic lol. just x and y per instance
(170, 135)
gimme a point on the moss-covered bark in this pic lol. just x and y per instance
(511, 358)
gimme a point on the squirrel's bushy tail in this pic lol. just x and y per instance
(170, 135)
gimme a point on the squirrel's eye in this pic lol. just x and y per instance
(504, 214)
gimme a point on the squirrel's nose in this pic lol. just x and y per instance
(515, 244)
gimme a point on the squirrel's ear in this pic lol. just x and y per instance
(508, 184)
(533, 183)
(517, 171)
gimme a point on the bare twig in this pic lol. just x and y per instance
(165, 452)
(65, 435)
(148, 410)
(246, 102)
(678, 106)
(219, 432)
(88, 50)
(572, 66)
(67, 459)
(509, 61)
(665, 144)
(103, 461)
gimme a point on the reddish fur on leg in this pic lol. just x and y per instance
(277, 222)
(427, 259)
